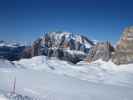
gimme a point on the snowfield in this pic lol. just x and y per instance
(3, 97)
(98, 71)
(52, 79)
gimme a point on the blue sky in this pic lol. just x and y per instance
(25, 20)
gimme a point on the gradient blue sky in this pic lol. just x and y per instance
(25, 20)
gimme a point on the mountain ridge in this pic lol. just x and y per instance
(73, 48)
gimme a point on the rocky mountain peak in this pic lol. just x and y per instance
(124, 48)
(102, 50)
(64, 45)
(126, 41)
(65, 39)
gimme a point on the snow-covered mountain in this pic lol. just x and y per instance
(63, 45)
(67, 40)
(11, 51)
(73, 48)
(10, 44)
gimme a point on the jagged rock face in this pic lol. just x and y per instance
(66, 40)
(124, 49)
(11, 51)
(101, 50)
(60, 44)
(36, 48)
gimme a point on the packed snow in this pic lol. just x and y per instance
(2, 97)
(52, 79)
(98, 71)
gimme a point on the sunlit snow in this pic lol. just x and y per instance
(52, 79)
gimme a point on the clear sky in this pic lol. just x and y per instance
(25, 20)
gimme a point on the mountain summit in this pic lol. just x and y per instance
(64, 45)
(124, 49)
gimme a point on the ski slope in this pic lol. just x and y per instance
(99, 71)
(49, 86)
(51, 79)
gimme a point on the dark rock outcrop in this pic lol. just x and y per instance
(36, 48)
(124, 48)
(27, 52)
(68, 55)
(101, 50)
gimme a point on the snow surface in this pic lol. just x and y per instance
(2, 97)
(45, 85)
(98, 71)
(53, 79)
